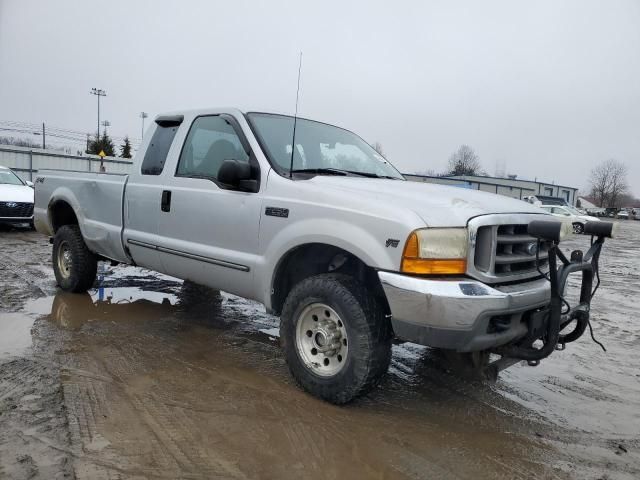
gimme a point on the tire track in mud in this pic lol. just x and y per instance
(44, 285)
(164, 426)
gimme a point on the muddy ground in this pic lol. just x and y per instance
(147, 378)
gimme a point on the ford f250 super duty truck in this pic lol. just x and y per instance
(321, 229)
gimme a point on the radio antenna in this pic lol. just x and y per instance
(295, 120)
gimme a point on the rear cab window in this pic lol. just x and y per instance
(156, 155)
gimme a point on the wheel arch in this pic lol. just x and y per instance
(60, 213)
(308, 259)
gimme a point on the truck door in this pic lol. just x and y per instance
(143, 196)
(209, 231)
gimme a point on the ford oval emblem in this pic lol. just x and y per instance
(11, 204)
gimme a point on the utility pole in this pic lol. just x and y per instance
(105, 124)
(98, 93)
(143, 115)
(44, 145)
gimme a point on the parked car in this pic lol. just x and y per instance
(16, 198)
(578, 220)
(326, 234)
(623, 214)
(596, 212)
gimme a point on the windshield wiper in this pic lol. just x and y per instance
(339, 171)
(326, 171)
(371, 175)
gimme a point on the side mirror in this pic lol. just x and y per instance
(29, 183)
(237, 175)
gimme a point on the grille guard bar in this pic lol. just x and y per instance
(555, 320)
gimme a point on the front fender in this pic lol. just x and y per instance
(350, 237)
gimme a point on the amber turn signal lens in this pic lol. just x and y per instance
(412, 248)
(433, 266)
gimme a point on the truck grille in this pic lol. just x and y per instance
(16, 209)
(506, 252)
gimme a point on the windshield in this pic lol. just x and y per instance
(7, 177)
(320, 148)
(573, 210)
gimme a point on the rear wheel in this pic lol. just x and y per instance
(336, 338)
(74, 265)
(578, 228)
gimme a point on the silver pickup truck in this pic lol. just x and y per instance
(325, 233)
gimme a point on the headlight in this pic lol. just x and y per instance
(436, 251)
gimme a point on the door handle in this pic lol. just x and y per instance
(165, 203)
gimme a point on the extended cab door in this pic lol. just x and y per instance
(209, 231)
(143, 196)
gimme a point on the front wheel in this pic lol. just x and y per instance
(336, 338)
(74, 265)
(578, 228)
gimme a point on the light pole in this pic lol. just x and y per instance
(98, 93)
(143, 115)
(105, 124)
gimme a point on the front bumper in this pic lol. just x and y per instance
(461, 314)
(15, 220)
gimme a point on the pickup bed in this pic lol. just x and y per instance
(327, 235)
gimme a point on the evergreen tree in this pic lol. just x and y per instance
(103, 143)
(107, 145)
(125, 148)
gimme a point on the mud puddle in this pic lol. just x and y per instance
(147, 377)
(16, 337)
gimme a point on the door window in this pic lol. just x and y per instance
(211, 141)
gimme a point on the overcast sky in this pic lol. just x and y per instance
(546, 89)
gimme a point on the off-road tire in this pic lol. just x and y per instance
(83, 263)
(368, 330)
(578, 228)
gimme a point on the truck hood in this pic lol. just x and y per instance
(437, 205)
(16, 193)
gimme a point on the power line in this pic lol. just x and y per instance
(27, 127)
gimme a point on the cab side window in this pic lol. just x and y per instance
(211, 141)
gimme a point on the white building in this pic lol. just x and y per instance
(510, 187)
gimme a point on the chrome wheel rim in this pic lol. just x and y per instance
(64, 260)
(321, 340)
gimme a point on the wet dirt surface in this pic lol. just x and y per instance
(147, 377)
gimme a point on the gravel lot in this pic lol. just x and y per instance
(148, 378)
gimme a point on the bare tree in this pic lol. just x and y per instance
(464, 161)
(608, 183)
(378, 148)
(18, 142)
(430, 172)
